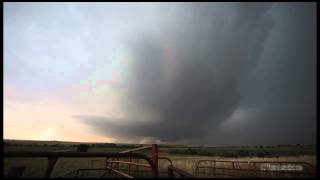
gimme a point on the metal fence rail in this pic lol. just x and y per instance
(174, 172)
(132, 161)
(53, 157)
(127, 164)
(213, 168)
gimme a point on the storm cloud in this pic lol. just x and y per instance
(220, 73)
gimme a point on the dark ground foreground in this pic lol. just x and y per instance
(184, 157)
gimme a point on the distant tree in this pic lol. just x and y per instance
(260, 154)
(173, 151)
(298, 145)
(243, 153)
(8, 143)
(83, 148)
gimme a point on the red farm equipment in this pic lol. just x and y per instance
(125, 164)
(135, 164)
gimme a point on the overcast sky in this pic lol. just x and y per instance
(191, 73)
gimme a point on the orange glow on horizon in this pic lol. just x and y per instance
(50, 117)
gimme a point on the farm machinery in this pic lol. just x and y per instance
(132, 164)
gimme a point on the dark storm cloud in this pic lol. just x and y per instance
(204, 67)
(284, 86)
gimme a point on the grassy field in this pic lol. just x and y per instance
(268, 151)
(182, 157)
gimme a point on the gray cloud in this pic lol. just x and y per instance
(211, 60)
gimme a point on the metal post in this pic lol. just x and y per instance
(170, 172)
(129, 168)
(117, 164)
(214, 172)
(155, 158)
(51, 162)
(137, 167)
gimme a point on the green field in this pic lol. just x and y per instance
(182, 157)
(268, 151)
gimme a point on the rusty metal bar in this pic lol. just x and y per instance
(132, 163)
(51, 163)
(166, 159)
(170, 172)
(136, 149)
(52, 156)
(120, 173)
(170, 164)
(182, 173)
(107, 168)
(129, 166)
(154, 157)
(85, 169)
(117, 164)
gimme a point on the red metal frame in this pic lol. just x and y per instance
(154, 158)
(53, 158)
(133, 160)
(152, 163)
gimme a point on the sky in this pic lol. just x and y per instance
(175, 73)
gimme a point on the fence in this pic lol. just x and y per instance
(128, 164)
(54, 156)
(113, 162)
(259, 169)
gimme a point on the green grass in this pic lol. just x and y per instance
(246, 151)
(188, 163)
(107, 149)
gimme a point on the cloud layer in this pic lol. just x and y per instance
(196, 74)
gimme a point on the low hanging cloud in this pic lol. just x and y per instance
(191, 77)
